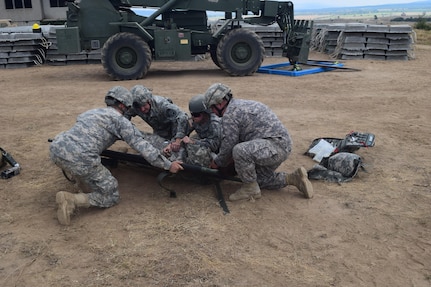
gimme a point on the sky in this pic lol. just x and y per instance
(315, 4)
(319, 4)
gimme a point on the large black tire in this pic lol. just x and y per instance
(240, 52)
(126, 56)
(213, 54)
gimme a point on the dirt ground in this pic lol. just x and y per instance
(372, 231)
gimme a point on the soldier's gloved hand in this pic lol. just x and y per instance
(176, 166)
(167, 150)
(176, 145)
(187, 140)
(213, 165)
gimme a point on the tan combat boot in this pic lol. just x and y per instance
(67, 202)
(299, 178)
(247, 191)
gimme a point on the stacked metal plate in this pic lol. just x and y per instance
(361, 41)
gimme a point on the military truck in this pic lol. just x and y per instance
(177, 30)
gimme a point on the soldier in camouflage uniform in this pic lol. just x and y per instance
(256, 141)
(205, 134)
(168, 122)
(77, 152)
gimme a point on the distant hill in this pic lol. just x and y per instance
(413, 6)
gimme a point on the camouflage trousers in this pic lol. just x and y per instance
(198, 155)
(157, 141)
(160, 143)
(257, 160)
(95, 179)
(189, 153)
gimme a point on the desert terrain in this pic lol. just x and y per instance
(372, 231)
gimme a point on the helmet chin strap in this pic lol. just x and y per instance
(122, 108)
(220, 111)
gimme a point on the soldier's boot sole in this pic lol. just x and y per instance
(64, 208)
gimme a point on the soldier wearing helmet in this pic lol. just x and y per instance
(256, 141)
(205, 133)
(165, 118)
(118, 95)
(215, 95)
(77, 152)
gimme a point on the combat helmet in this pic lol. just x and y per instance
(141, 95)
(118, 94)
(216, 93)
(197, 104)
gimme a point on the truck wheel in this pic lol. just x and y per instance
(126, 56)
(240, 52)
(213, 54)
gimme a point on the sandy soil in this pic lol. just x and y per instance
(373, 231)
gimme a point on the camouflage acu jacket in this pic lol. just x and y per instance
(165, 118)
(95, 131)
(210, 133)
(246, 120)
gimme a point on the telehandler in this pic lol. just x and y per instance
(177, 30)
